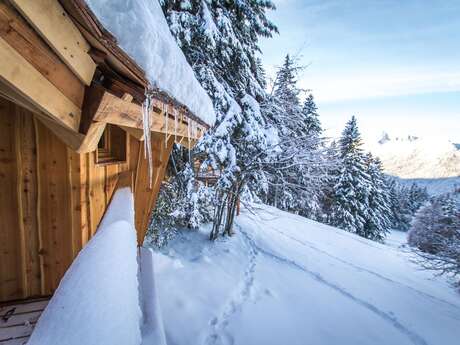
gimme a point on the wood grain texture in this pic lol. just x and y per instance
(54, 198)
(10, 247)
(115, 110)
(55, 207)
(28, 190)
(19, 74)
(19, 35)
(57, 29)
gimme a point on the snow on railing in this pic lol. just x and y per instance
(152, 322)
(97, 301)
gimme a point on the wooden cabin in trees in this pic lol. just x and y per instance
(71, 133)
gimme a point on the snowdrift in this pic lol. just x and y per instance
(284, 279)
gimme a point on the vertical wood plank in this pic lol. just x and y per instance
(10, 254)
(27, 175)
(78, 185)
(19, 187)
(39, 223)
(97, 196)
(55, 207)
(86, 230)
(111, 178)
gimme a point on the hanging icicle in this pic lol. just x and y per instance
(175, 124)
(146, 111)
(165, 112)
(194, 130)
(188, 135)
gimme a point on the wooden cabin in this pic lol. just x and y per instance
(70, 135)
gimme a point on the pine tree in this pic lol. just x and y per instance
(297, 188)
(332, 155)
(378, 220)
(220, 41)
(310, 113)
(350, 199)
(399, 213)
(285, 87)
(416, 197)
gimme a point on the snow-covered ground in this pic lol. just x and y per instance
(396, 239)
(288, 280)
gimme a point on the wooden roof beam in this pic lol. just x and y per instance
(23, 38)
(114, 110)
(26, 80)
(52, 22)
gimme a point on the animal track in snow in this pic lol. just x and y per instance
(362, 269)
(415, 338)
(219, 336)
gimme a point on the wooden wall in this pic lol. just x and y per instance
(52, 200)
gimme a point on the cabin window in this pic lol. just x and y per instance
(112, 147)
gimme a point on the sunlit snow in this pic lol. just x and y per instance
(284, 279)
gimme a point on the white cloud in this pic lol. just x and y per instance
(372, 85)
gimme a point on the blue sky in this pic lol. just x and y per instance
(394, 64)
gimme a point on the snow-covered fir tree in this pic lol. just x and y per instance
(310, 111)
(378, 219)
(350, 199)
(332, 155)
(220, 41)
(359, 201)
(296, 186)
(404, 202)
(183, 203)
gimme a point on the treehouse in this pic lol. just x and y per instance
(79, 118)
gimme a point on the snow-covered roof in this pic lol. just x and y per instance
(143, 33)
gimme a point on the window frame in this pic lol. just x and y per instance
(112, 147)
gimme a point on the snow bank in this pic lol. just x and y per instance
(284, 279)
(152, 322)
(142, 31)
(97, 301)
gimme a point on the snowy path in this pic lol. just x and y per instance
(240, 296)
(287, 280)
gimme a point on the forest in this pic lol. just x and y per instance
(268, 146)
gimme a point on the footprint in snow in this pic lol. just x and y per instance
(222, 338)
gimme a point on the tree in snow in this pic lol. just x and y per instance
(378, 218)
(296, 179)
(350, 200)
(404, 203)
(183, 202)
(435, 232)
(416, 197)
(359, 199)
(328, 193)
(220, 41)
(313, 123)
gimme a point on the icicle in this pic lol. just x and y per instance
(165, 111)
(175, 124)
(188, 134)
(146, 110)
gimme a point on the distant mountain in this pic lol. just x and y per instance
(431, 162)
